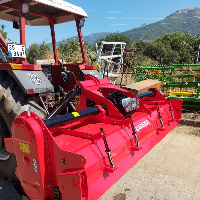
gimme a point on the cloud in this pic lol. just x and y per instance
(115, 11)
(121, 24)
(118, 24)
(128, 18)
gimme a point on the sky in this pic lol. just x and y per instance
(105, 16)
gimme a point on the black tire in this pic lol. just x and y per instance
(13, 102)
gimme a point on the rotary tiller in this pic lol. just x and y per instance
(80, 155)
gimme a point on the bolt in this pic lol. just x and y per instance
(63, 161)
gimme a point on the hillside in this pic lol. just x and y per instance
(186, 21)
(94, 37)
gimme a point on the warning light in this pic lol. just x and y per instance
(30, 91)
(90, 66)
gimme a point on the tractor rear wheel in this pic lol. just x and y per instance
(13, 102)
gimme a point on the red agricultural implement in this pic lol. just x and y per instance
(64, 133)
(81, 154)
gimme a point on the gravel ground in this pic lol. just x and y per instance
(169, 171)
(192, 115)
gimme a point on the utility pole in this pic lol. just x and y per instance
(197, 60)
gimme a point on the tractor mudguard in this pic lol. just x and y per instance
(80, 155)
(32, 82)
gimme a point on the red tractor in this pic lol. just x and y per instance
(65, 133)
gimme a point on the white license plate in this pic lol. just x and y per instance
(16, 51)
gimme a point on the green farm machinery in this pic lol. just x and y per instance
(180, 81)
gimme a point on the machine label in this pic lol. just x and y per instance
(35, 165)
(34, 79)
(16, 51)
(24, 147)
(76, 114)
(77, 100)
(36, 183)
(142, 125)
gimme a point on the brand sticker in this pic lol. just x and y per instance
(77, 100)
(142, 125)
(93, 74)
(35, 165)
(34, 79)
(36, 183)
(24, 147)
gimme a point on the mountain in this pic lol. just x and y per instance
(185, 21)
(92, 38)
(145, 24)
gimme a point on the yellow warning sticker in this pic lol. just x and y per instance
(77, 100)
(76, 114)
(36, 183)
(24, 147)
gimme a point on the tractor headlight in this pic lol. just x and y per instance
(25, 8)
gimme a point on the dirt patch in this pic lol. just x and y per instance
(191, 114)
(120, 196)
(194, 132)
(126, 190)
(190, 130)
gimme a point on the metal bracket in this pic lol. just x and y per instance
(159, 116)
(107, 148)
(137, 147)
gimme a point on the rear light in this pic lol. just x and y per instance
(16, 66)
(30, 91)
(27, 66)
(90, 66)
(23, 66)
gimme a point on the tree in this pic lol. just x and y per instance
(4, 34)
(44, 48)
(33, 53)
(37, 52)
(171, 48)
(180, 44)
(70, 51)
(115, 37)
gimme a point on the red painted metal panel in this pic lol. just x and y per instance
(51, 23)
(73, 156)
